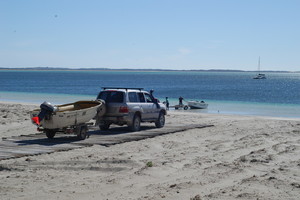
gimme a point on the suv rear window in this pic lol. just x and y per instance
(111, 96)
(141, 96)
(133, 97)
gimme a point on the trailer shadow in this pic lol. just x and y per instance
(48, 142)
(60, 138)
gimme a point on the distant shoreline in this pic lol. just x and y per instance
(133, 70)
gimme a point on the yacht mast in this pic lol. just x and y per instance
(259, 64)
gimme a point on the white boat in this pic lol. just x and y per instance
(72, 117)
(197, 104)
(259, 75)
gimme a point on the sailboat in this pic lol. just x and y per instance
(259, 75)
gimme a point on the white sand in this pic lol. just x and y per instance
(239, 157)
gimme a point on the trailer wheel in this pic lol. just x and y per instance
(185, 107)
(82, 133)
(50, 133)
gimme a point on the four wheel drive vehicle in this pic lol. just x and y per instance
(130, 106)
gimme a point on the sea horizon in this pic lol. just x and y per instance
(137, 69)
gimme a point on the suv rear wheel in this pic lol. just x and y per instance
(136, 123)
(160, 121)
(105, 126)
(82, 132)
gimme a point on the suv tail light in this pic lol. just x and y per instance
(123, 109)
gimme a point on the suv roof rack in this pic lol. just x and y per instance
(104, 88)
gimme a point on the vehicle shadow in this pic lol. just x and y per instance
(118, 130)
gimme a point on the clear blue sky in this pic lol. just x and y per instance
(157, 34)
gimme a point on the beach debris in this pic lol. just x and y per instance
(197, 197)
(149, 164)
(2, 168)
(296, 185)
(271, 178)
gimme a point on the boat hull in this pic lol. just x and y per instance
(197, 105)
(71, 114)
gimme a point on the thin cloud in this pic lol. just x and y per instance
(184, 51)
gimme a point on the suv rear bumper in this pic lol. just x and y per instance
(120, 120)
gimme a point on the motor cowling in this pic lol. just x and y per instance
(48, 107)
(46, 110)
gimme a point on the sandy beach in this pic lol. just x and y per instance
(239, 157)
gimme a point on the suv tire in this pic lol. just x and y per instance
(136, 123)
(104, 127)
(160, 121)
(82, 132)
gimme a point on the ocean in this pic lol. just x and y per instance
(225, 92)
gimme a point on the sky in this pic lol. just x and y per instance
(151, 34)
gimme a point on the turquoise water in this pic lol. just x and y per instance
(38, 98)
(227, 93)
(222, 107)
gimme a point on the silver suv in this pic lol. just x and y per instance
(130, 106)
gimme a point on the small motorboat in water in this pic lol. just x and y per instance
(197, 104)
(68, 118)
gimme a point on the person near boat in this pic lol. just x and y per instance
(180, 101)
(167, 103)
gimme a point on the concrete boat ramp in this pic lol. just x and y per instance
(34, 144)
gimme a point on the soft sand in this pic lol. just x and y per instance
(239, 157)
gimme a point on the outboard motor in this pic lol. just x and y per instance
(46, 110)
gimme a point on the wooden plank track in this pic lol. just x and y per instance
(34, 144)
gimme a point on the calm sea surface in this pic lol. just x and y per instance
(226, 92)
